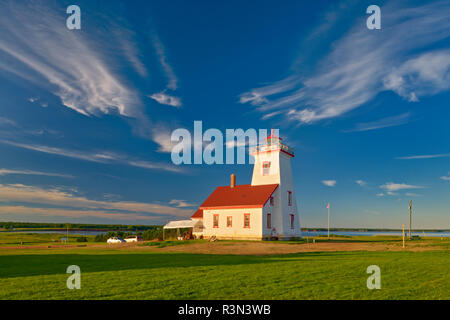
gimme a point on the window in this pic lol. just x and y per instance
(289, 198)
(269, 221)
(246, 220)
(292, 221)
(229, 222)
(272, 203)
(266, 168)
(215, 221)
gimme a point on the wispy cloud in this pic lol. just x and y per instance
(424, 156)
(391, 186)
(164, 98)
(83, 69)
(163, 60)
(362, 183)
(100, 156)
(6, 121)
(4, 172)
(70, 63)
(363, 63)
(33, 212)
(446, 178)
(382, 123)
(329, 183)
(181, 203)
(67, 203)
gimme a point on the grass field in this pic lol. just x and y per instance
(149, 272)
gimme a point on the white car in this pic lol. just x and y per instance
(115, 240)
(133, 239)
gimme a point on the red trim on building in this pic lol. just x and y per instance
(229, 219)
(281, 150)
(264, 168)
(233, 207)
(247, 215)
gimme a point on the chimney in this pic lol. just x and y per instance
(233, 180)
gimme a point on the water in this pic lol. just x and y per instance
(304, 233)
(71, 232)
(374, 233)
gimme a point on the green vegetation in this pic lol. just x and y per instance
(29, 238)
(138, 274)
(150, 234)
(24, 226)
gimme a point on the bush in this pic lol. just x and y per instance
(82, 239)
(152, 234)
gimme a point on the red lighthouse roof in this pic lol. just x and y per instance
(273, 136)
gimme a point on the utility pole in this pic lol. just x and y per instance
(410, 218)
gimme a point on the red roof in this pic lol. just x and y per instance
(273, 136)
(242, 196)
(198, 214)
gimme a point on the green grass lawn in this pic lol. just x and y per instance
(30, 238)
(119, 274)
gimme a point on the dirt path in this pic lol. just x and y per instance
(246, 247)
(268, 248)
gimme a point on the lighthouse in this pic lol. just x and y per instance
(265, 209)
(273, 166)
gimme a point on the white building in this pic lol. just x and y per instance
(264, 209)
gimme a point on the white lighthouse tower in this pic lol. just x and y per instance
(273, 166)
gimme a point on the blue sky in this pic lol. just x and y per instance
(86, 115)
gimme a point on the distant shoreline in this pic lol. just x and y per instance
(33, 226)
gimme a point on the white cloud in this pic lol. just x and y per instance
(32, 212)
(164, 98)
(364, 63)
(329, 183)
(446, 178)
(382, 123)
(391, 186)
(426, 74)
(181, 203)
(67, 63)
(362, 183)
(381, 194)
(161, 53)
(69, 204)
(81, 68)
(4, 172)
(9, 122)
(96, 156)
(425, 156)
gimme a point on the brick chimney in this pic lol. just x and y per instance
(233, 180)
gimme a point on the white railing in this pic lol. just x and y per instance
(272, 146)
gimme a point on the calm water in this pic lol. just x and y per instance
(74, 232)
(304, 234)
